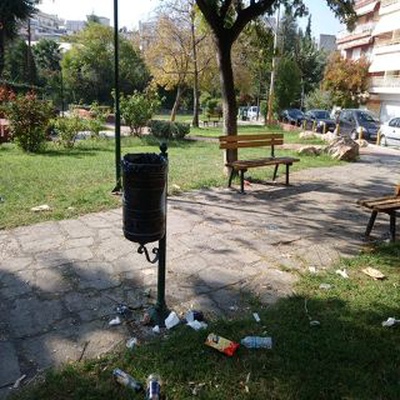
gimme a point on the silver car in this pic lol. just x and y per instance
(390, 133)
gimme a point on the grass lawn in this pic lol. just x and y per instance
(349, 356)
(79, 181)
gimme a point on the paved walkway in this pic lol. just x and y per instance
(60, 281)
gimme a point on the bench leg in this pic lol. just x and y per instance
(392, 226)
(287, 174)
(275, 172)
(371, 222)
(231, 175)
(242, 181)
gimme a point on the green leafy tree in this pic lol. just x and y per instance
(347, 80)
(47, 55)
(319, 99)
(288, 84)
(19, 66)
(227, 19)
(88, 68)
(12, 13)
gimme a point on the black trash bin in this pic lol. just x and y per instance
(144, 179)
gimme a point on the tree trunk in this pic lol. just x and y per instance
(1, 51)
(229, 106)
(176, 104)
(195, 121)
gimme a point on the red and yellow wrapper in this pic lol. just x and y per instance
(221, 344)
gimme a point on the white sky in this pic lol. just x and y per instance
(131, 11)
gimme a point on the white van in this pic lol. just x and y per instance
(253, 112)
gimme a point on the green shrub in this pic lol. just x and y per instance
(137, 110)
(29, 118)
(168, 130)
(97, 120)
(68, 128)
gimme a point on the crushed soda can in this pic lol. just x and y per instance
(221, 344)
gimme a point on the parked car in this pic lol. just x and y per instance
(390, 133)
(319, 120)
(292, 116)
(353, 120)
(253, 112)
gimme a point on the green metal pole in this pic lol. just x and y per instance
(117, 112)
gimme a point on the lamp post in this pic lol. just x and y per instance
(272, 82)
(117, 188)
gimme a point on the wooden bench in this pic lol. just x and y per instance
(388, 205)
(211, 118)
(260, 140)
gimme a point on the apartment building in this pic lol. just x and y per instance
(377, 37)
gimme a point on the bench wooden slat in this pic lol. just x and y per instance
(238, 138)
(261, 162)
(371, 202)
(254, 143)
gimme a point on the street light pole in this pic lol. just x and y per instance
(272, 82)
(117, 188)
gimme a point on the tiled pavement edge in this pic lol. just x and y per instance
(60, 281)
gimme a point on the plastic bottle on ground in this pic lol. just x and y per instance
(127, 380)
(257, 342)
(153, 391)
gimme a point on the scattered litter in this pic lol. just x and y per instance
(127, 380)
(194, 315)
(156, 329)
(196, 387)
(315, 323)
(221, 344)
(257, 342)
(131, 343)
(147, 292)
(342, 273)
(43, 207)
(146, 320)
(197, 325)
(256, 317)
(390, 322)
(71, 208)
(312, 270)
(246, 387)
(85, 345)
(175, 186)
(18, 381)
(124, 310)
(373, 273)
(115, 321)
(2, 199)
(153, 391)
(325, 286)
(234, 308)
(172, 320)
(247, 183)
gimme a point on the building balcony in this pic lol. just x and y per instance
(359, 32)
(388, 84)
(389, 6)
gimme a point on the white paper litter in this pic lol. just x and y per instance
(172, 320)
(256, 317)
(197, 325)
(115, 321)
(342, 273)
(43, 207)
(390, 322)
